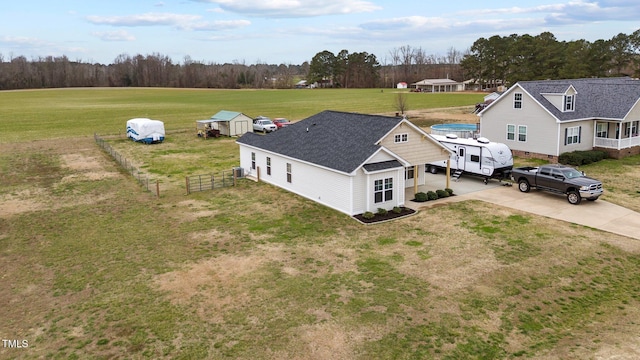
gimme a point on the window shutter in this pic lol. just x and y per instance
(566, 132)
(579, 134)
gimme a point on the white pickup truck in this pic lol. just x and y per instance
(264, 124)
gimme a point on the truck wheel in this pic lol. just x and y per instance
(433, 169)
(573, 197)
(523, 185)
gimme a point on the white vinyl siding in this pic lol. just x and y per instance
(542, 134)
(324, 186)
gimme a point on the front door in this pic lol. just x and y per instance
(409, 176)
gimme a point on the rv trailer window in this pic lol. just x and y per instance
(475, 158)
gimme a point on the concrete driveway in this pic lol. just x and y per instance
(596, 214)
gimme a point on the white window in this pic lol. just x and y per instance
(383, 190)
(522, 133)
(569, 102)
(517, 100)
(511, 132)
(572, 135)
(631, 129)
(253, 160)
(602, 130)
(400, 138)
(288, 172)
(268, 165)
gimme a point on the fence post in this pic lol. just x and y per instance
(187, 180)
(234, 177)
(258, 173)
(213, 184)
(158, 189)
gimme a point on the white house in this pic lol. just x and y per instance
(549, 117)
(350, 162)
(438, 85)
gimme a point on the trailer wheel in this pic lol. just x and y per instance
(433, 169)
(573, 197)
(485, 181)
(523, 185)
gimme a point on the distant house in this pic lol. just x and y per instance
(229, 123)
(350, 162)
(547, 118)
(438, 85)
(401, 85)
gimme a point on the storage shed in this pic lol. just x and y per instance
(230, 123)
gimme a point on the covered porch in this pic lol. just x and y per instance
(616, 135)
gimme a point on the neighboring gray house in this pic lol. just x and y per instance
(350, 162)
(546, 118)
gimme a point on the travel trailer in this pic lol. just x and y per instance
(145, 130)
(479, 157)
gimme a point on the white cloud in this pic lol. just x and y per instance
(21, 41)
(217, 25)
(147, 19)
(179, 21)
(118, 35)
(294, 8)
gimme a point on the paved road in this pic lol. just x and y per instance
(596, 214)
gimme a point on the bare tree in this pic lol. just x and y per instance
(401, 102)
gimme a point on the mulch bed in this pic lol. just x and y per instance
(390, 215)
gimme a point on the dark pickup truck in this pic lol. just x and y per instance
(560, 179)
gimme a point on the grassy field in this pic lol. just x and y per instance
(44, 114)
(94, 267)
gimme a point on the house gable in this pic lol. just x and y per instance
(413, 145)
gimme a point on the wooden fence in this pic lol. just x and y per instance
(141, 177)
(211, 182)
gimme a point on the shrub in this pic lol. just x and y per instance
(368, 215)
(449, 190)
(397, 210)
(442, 194)
(382, 211)
(421, 197)
(577, 158)
(431, 195)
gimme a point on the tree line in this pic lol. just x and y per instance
(154, 70)
(513, 58)
(490, 61)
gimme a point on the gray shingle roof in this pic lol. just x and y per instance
(336, 140)
(383, 165)
(605, 98)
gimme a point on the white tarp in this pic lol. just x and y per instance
(145, 130)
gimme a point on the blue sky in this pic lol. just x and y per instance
(290, 31)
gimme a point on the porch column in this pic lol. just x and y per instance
(415, 179)
(447, 173)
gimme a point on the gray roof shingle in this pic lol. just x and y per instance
(604, 98)
(337, 140)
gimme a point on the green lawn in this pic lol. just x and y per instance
(43, 114)
(94, 267)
